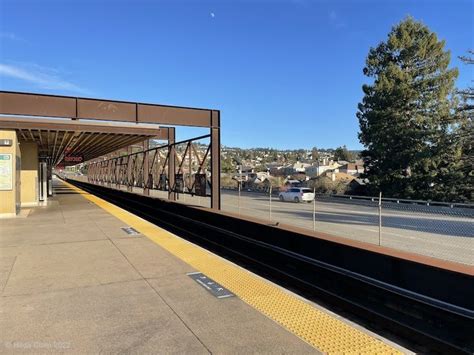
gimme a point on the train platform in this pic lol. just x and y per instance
(81, 275)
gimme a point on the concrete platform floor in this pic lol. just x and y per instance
(72, 280)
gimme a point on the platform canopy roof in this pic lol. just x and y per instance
(88, 140)
(90, 128)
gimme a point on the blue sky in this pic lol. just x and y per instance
(285, 74)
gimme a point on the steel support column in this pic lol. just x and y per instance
(89, 172)
(171, 164)
(109, 172)
(118, 171)
(50, 178)
(129, 170)
(145, 172)
(215, 161)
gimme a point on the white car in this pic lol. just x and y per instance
(297, 194)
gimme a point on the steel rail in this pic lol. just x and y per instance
(423, 323)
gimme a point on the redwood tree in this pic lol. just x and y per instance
(406, 116)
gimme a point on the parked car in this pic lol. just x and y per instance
(297, 194)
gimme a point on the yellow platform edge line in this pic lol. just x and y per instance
(319, 329)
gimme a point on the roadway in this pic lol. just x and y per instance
(442, 234)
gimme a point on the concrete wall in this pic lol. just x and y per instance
(10, 197)
(29, 174)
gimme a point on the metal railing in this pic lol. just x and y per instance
(176, 168)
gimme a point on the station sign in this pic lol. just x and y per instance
(149, 183)
(200, 184)
(179, 183)
(162, 182)
(6, 142)
(73, 158)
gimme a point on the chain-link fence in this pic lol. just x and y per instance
(440, 230)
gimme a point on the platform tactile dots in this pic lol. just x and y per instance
(320, 329)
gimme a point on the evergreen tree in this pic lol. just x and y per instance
(227, 166)
(406, 115)
(342, 153)
(465, 135)
(314, 154)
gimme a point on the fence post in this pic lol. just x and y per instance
(314, 209)
(380, 218)
(240, 188)
(270, 203)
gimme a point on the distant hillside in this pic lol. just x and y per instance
(259, 158)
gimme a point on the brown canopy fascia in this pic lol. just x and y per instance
(31, 104)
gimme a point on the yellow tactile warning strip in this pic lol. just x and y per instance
(320, 329)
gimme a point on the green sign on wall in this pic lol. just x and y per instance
(6, 172)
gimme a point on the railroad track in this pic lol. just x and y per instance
(422, 322)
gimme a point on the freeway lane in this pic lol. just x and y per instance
(441, 235)
(444, 234)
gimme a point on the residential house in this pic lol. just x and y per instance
(352, 169)
(286, 170)
(247, 173)
(260, 181)
(357, 187)
(299, 167)
(275, 169)
(319, 168)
